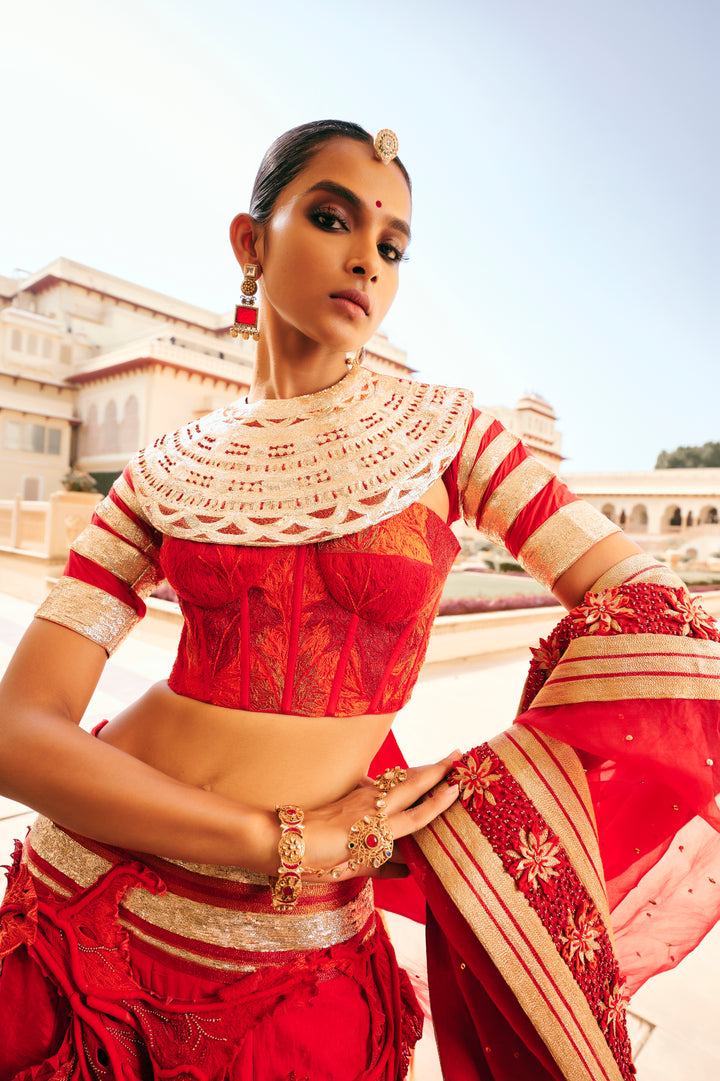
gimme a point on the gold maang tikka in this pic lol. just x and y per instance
(246, 312)
(386, 145)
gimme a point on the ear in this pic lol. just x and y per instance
(244, 235)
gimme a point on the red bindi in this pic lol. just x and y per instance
(378, 203)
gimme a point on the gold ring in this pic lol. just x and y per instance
(370, 842)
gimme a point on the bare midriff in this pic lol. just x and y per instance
(259, 759)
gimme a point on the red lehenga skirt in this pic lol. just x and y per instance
(117, 966)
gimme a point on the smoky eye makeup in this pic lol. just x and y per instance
(329, 217)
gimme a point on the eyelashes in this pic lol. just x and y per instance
(332, 220)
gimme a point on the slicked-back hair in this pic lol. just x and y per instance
(289, 155)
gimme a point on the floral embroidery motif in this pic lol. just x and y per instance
(533, 856)
(615, 1007)
(546, 655)
(475, 778)
(600, 611)
(643, 608)
(583, 933)
(690, 614)
(537, 861)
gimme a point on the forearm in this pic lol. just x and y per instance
(92, 788)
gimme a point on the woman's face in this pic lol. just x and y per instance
(330, 254)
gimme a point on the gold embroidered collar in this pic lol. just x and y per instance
(302, 470)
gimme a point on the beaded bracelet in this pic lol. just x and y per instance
(291, 848)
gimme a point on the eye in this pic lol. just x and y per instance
(329, 218)
(392, 253)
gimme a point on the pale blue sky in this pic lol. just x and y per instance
(564, 156)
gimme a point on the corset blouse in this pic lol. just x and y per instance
(338, 628)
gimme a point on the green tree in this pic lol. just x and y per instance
(704, 457)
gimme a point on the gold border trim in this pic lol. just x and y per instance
(196, 920)
(118, 521)
(619, 667)
(510, 931)
(562, 797)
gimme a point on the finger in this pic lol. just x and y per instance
(420, 781)
(413, 818)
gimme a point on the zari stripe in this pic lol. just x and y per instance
(637, 568)
(111, 514)
(633, 666)
(217, 932)
(509, 930)
(509, 498)
(89, 611)
(562, 540)
(107, 550)
(487, 463)
(531, 758)
(470, 449)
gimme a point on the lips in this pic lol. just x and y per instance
(362, 300)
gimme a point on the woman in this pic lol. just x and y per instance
(306, 533)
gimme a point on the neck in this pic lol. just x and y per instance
(289, 369)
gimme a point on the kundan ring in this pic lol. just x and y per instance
(370, 842)
(390, 777)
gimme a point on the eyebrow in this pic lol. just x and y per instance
(333, 188)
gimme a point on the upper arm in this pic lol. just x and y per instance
(53, 671)
(112, 566)
(520, 504)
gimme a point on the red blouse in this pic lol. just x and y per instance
(332, 629)
(335, 628)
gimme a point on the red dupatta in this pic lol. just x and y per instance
(610, 771)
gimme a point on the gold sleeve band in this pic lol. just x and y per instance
(560, 541)
(111, 514)
(121, 559)
(470, 449)
(493, 456)
(89, 611)
(509, 498)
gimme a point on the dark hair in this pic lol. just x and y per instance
(289, 155)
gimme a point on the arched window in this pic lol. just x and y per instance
(89, 434)
(638, 521)
(609, 511)
(110, 435)
(672, 518)
(130, 427)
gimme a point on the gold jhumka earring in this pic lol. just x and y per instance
(246, 312)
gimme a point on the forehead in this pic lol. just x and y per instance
(354, 165)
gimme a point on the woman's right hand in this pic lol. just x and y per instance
(409, 806)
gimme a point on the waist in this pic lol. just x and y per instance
(218, 918)
(259, 759)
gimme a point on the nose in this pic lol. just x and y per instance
(365, 264)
